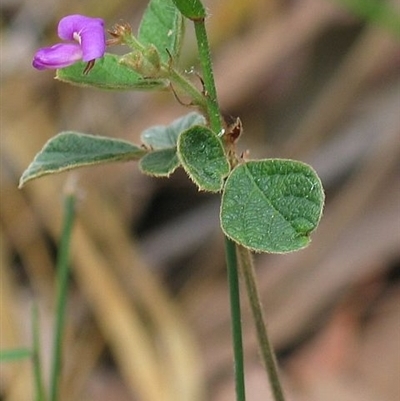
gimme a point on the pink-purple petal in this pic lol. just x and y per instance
(87, 42)
(75, 23)
(93, 42)
(58, 56)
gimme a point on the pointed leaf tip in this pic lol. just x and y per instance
(69, 150)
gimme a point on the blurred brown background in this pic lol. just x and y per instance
(148, 314)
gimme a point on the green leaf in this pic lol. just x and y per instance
(109, 73)
(272, 205)
(69, 150)
(160, 163)
(203, 157)
(192, 9)
(162, 26)
(162, 137)
(17, 354)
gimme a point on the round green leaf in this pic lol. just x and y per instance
(272, 205)
(203, 157)
(108, 73)
(160, 163)
(69, 150)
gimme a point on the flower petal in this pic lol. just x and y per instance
(58, 56)
(93, 42)
(89, 30)
(74, 24)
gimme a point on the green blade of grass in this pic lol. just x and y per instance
(62, 291)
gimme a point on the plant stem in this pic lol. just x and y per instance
(37, 363)
(186, 87)
(176, 78)
(233, 280)
(62, 289)
(267, 353)
(208, 76)
(214, 117)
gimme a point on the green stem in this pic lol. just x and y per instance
(233, 280)
(267, 352)
(210, 91)
(181, 84)
(62, 290)
(37, 362)
(133, 43)
(214, 116)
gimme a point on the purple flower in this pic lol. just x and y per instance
(90, 43)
